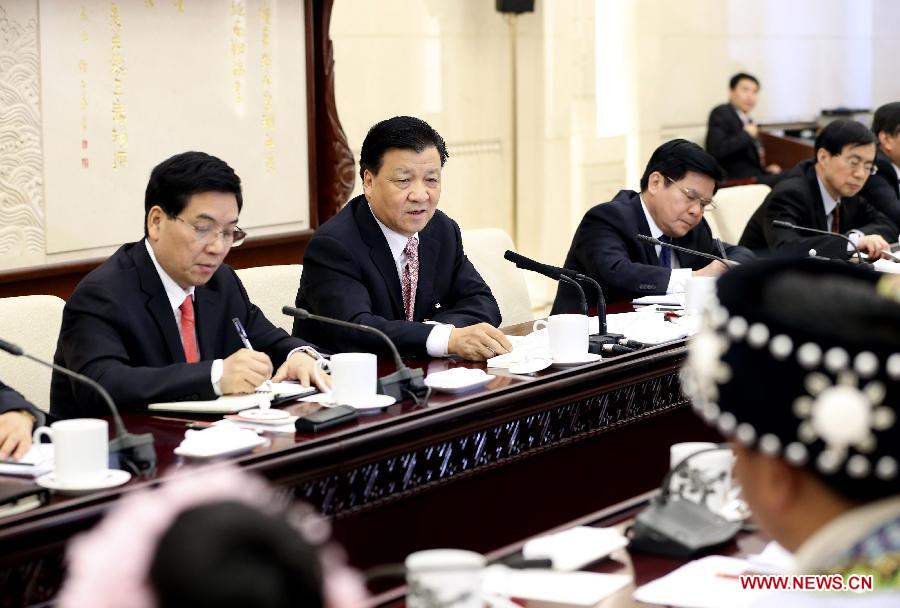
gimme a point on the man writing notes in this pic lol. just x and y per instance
(678, 184)
(798, 366)
(823, 193)
(154, 322)
(391, 260)
(733, 138)
(18, 418)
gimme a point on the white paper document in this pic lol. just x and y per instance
(710, 582)
(576, 547)
(574, 588)
(36, 461)
(228, 404)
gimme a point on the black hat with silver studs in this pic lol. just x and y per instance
(800, 359)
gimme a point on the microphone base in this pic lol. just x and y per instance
(133, 453)
(402, 382)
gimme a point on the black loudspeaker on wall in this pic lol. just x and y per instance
(515, 6)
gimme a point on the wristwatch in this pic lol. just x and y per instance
(309, 350)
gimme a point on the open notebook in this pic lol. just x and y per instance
(231, 404)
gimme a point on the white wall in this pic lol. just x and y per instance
(448, 62)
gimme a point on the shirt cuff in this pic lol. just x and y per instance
(438, 340)
(854, 236)
(678, 280)
(215, 375)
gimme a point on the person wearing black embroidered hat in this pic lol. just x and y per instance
(798, 364)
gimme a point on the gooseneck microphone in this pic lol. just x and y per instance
(702, 254)
(582, 298)
(556, 273)
(132, 453)
(403, 380)
(790, 226)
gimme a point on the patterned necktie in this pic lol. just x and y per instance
(836, 219)
(188, 332)
(665, 254)
(410, 276)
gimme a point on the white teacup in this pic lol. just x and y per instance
(705, 478)
(81, 450)
(568, 336)
(699, 291)
(354, 377)
(440, 578)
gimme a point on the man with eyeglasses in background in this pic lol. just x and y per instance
(154, 322)
(883, 190)
(823, 193)
(677, 186)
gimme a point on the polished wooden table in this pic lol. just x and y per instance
(479, 470)
(642, 568)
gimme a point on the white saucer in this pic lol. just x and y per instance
(529, 366)
(589, 358)
(458, 380)
(378, 402)
(260, 415)
(113, 478)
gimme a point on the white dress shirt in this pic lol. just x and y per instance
(176, 296)
(830, 205)
(439, 338)
(678, 279)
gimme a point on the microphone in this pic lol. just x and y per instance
(130, 452)
(679, 528)
(404, 380)
(556, 273)
(653, 241)
(783, 224)
(574, 283)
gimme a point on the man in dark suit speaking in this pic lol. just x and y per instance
(678, 184)
(154, 322)
(18, 418)
(823, 193)
(391, 260)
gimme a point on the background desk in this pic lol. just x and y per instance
(476, 471)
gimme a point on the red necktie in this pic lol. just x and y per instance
(188, 333)
(410, 276)
(836, 219)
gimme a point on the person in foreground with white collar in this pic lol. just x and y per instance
(677, 187)
(156, 321)
(391, 260)
(823, 193)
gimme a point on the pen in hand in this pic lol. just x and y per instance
(721, 249)
(242, 333)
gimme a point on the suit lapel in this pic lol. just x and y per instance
(643, 228)
(379, 252)
(157, 302)
(821, 221)
(207, 310)
(429, 250)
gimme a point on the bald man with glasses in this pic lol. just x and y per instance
(157, 320)
(824, 193)
(678, 185)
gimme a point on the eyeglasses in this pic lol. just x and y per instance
(856, 163)
(693, 196)
(233, 237)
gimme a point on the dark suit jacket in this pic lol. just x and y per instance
(118, 329)
(881, 189)
(350, 274)
(797, 199)
(10, 401)
(729, 144)
(605, 248)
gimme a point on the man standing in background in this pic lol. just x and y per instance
(733, 138)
